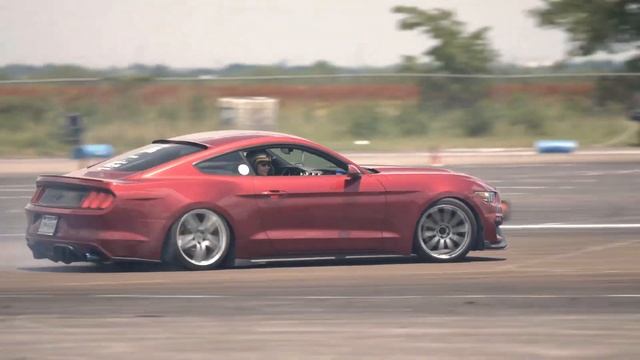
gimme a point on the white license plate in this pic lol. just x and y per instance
(48, 225)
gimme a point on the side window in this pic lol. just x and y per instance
(228, 164)
(311, 163)
(292, 156)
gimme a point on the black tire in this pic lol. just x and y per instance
(445, 232)
(202, 255)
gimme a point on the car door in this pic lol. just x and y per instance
(228, 183)
(321, 211)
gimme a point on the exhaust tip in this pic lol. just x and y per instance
(64, 253)
(92, 257)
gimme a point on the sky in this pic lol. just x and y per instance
(215, 33)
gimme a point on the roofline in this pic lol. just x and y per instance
(206, 138)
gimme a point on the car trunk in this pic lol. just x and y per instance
(72, 192)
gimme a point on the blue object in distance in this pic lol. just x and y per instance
(555, 146)
(89, 151)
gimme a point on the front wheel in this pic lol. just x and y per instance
(445, 231)
(200, 240)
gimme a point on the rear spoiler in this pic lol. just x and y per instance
(73, 181)
(167, 141)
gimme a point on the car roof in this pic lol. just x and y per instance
(224, 140)
(224, 137)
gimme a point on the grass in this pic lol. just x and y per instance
(129, 115)
(447, 129)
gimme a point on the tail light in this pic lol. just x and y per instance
(37, 195)
(97, 200)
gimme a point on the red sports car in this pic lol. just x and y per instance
(206, 199)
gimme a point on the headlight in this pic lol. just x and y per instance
(487, 196)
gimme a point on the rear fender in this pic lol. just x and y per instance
(173, 218)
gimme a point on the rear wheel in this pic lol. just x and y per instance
(200, 240)
(445, 231)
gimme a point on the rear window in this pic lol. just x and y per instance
(148, 156)
(228, 164)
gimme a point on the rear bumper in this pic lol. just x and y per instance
(67, 252)
(97, 237)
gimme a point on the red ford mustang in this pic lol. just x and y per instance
(200, 200)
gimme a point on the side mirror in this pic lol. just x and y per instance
(353, 172)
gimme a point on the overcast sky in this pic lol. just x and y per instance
(214, 33)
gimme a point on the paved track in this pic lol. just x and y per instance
(554, 293)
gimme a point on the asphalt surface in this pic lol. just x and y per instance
(568, 287)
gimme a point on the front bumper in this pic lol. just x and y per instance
(500, 244)
(494, 215)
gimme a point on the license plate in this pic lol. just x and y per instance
(48, 225)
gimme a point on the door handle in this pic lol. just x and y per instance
(274, 192)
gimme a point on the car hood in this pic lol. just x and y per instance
(426, 170)
(406, 169)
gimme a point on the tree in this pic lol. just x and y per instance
(456, 51)
(611, 26)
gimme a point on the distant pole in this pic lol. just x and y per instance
(75, 136)
(75, 129)
(635, 116)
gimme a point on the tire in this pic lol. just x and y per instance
(200, 240)
(445, 231)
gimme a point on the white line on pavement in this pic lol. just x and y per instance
(339, 297)
(16, 197)
(571, 226)
(601, 173)
(18, 190)
(522, 187)
(162, 296)
(10, 235)
(114, 282)
(472, 296)
(535, 187)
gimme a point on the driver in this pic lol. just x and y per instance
(261, 162)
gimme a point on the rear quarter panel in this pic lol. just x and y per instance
(232, 197)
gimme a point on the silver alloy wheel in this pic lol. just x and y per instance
(444, 231)
(202, 237)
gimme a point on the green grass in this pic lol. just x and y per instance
(446, 129)
(127, 117)
(501, 138)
